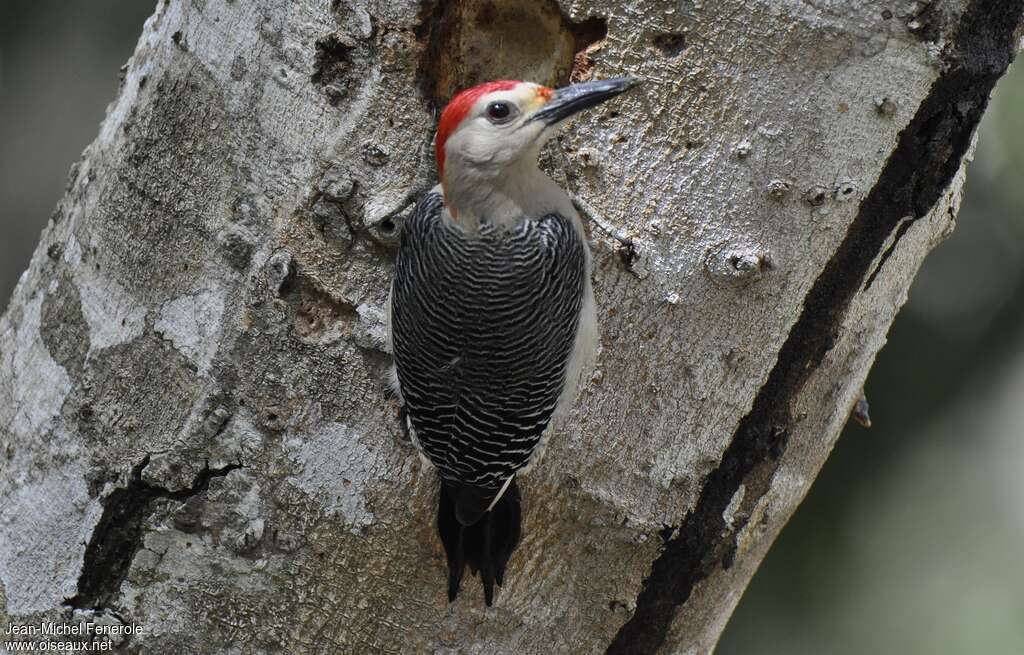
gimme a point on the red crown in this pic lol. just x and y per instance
(456, 111)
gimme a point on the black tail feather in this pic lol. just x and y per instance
(451, 537)
(483, 540)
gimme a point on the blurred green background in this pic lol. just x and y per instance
(912, 539)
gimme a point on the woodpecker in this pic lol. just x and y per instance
(491, 317)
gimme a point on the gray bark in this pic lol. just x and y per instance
(195, 433)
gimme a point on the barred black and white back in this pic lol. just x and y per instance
(491, 330)
(484, 332)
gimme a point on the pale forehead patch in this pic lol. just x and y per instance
(526, 95)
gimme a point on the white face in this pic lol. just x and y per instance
(498, 131)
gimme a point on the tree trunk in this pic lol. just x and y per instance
(196, 437)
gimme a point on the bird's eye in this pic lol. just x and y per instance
(501, 112)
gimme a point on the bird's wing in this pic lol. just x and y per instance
(483, 327)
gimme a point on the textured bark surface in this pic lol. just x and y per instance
(195, 434)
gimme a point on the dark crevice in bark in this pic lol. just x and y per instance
(119, 532)
(928, 154)
(332, 65)
(900, 231)
(670, 44)
(340, 55)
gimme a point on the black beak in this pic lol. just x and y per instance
(569, 100)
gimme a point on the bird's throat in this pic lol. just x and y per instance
(523, 192)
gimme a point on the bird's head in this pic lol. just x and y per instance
(493, 131)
